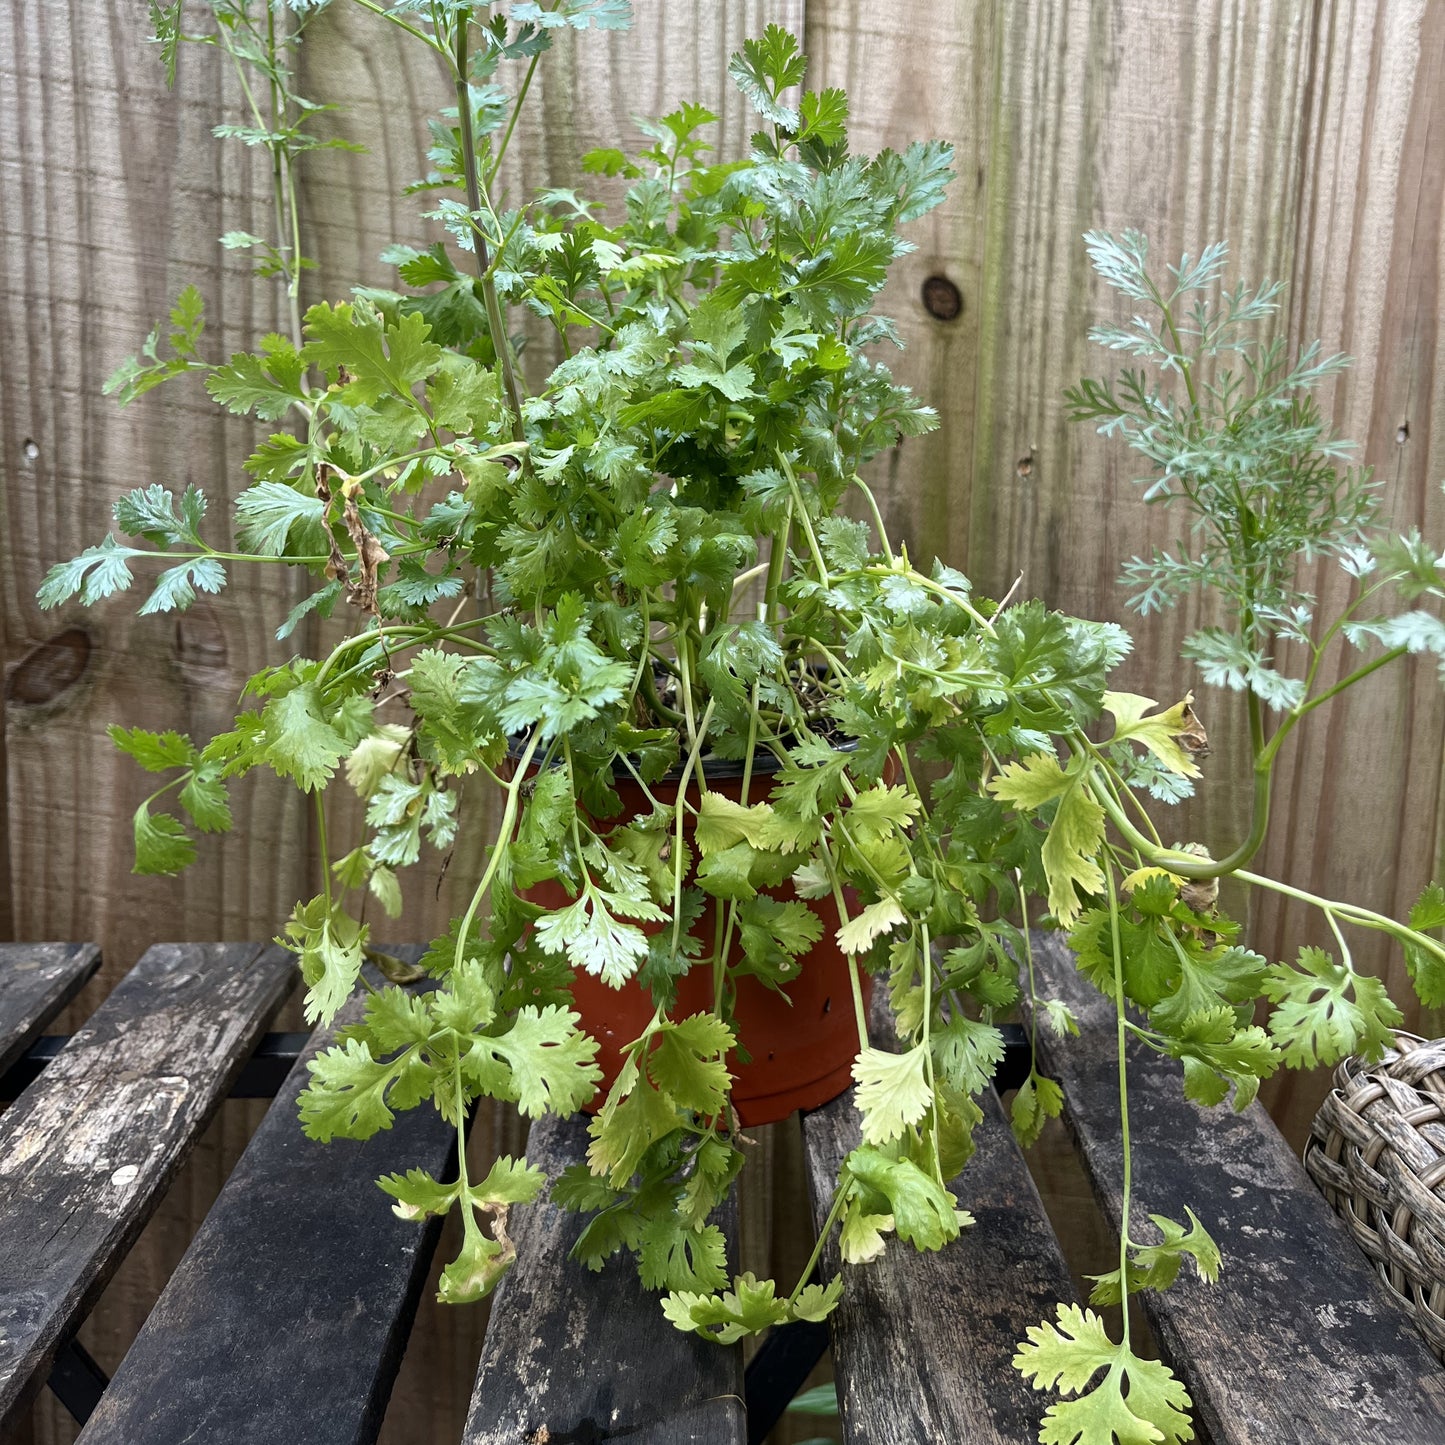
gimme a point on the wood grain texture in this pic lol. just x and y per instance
(1298, 1340)
(1361, 814)
(1065, 115)
(112, 195)
(288, 1316)
(572, 1355)
(87, 1151)
(1307, 137)
(37, 980)
(942, 1372)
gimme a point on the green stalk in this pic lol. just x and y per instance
(504, 835)
(323, 849)
(1189, 865)
(512, 119)
(430, 41)
(1345, 682)
(1121, 1040)
(859, 1013)
(840, 1200)
(1351, 912)
(677, 842)
(500, 342)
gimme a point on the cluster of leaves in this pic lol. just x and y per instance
(640, 569)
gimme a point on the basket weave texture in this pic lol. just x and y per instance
(1377, 1150)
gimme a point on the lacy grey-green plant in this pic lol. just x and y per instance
(647, 563)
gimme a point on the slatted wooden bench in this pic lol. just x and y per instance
(288, 1316)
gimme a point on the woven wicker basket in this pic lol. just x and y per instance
(1377, 1150)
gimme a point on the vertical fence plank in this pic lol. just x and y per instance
(1065, 117)
(1361, 813)
(112, 194)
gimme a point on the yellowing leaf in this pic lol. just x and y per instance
(721, 823)
(1070, 853)
(861, 1237)
(1143, 875)
(857, 935)
(1158, 733)
(1031, 783)
(374, 757)
(893, 1092)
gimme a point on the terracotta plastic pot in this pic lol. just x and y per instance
(802, 1047)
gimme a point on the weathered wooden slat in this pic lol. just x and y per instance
(908, 1370)
(88, 1150)
(1298, 1340)
(288, 1316)
(37, 980)
(572, 1355)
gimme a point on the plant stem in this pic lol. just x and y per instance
(1190, 865)
(1121, 1040)
(1350, 912)
(840, 1200)
(322, 848)
(430, 41)
(1345, 682)
(859, 1013)
(512, 120)
(500, 343)
(504, 837)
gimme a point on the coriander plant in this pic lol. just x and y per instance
(643, 567)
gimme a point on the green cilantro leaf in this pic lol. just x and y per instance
(150, 512)
(1426, 965)
(925, 1214)
(594, 939)
(1156, 1266)
(329, 947)
(268, 513)
(175, 589)
(764, 68)
(155, 752)
(205, 799)
(352, 1095)
(162, 845)
(688, 1062)
(673, 1256)
(98, 572)
(300, 742)
(1137, 1402)
(1039, 1100)
(1325, 1010)
(627, 1127)
(546, 1062)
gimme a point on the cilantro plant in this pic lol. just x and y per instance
(645, 565)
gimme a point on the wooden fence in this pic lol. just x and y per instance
(1306, 133)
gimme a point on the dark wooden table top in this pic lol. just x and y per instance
(287, 1318)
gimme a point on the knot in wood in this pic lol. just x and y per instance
(941, 298)
(49, 669)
